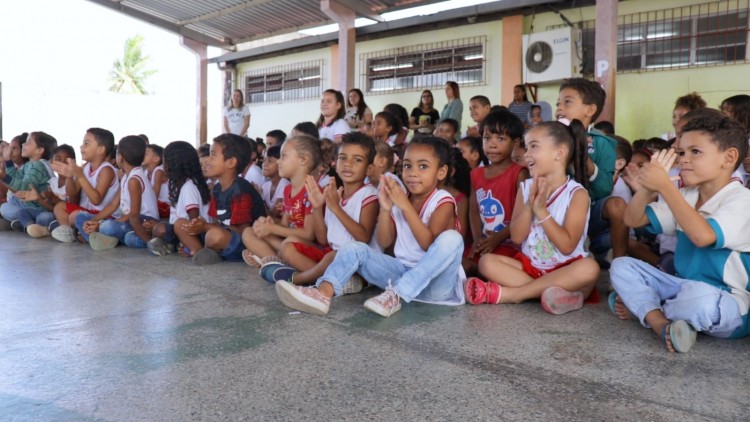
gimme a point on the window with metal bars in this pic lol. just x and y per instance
(705, 34)
(298, 81)
(424, 66)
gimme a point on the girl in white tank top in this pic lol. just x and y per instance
(550, 220)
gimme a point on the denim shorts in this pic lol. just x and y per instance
(599, 237)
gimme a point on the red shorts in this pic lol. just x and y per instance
(316, 253)
(70, 208)
(502, 249)
(163, 208)
(535, 272)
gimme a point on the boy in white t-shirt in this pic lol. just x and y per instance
(272, 190)
(135, 203)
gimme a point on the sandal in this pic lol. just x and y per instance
(612, 300)
(478, 291)
(681, 334)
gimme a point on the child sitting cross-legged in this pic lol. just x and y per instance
(91, 187)
(549, 220)
(340, 216)
(420, 225)
(188, 197)
(300, 156)
(709, 216)
(273, 189)
(27, 181)
(134, 203)
(235, 205)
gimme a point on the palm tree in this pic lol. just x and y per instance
(129, 74)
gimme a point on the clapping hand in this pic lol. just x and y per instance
(196, 226)
(314, 195)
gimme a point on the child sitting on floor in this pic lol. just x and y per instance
(549, 221)
(420, 225)
(235, 205)
(300, 156)
(33, 177)
(188, 196)
(340, 216)
(90, 188)
(273, 190)
(153, 164)
(709, 216)
(134, 203)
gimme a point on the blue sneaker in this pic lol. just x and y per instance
(267, 270)
(283, 273)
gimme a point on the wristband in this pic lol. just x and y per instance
(539, 223)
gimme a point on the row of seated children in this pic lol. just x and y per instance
(552, 263)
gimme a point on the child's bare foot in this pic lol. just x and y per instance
(251, 259)
(618, 307)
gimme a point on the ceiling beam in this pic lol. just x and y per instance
(224, 12)
(361, 9)
(117, 6)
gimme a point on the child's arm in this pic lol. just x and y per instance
(601, 172)
(134, 217)
(442, 219)
(565, 238)
(109, 209)
(360, 230)
(96, 193)
(318, 202)
(463, 215)
(386, 227)
(520, 223)
(655, 177)
(159, 181)
(306, 232)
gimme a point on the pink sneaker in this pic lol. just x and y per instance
(558, 301)
(305, 299)
(384, 304)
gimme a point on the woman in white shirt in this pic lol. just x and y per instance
(236, 115)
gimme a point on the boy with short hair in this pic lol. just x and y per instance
(479, 108)
(34, 175)
(709, 217)
(275, 137)
(583, 100)
(90, 188)
(447, 129)
(134, 203)
(235, 203)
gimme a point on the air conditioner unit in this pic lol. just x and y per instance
(552, 56)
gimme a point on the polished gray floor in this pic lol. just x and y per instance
(122, 335)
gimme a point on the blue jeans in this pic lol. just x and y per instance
(644, 288)
(122, 231)
(29, 216)
(10, 209)
(435, 278)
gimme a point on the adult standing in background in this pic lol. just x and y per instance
(520, 105)
(357, 113)
(455, 108)
(236, 115)
(424, 116)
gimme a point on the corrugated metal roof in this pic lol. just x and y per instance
(226, 23)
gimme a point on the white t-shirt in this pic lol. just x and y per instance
(164, 192)
(406, 248)
(148, 197)
(338, 127)
(255, 175)
(540, 250)
(338, 236)
(622, 190)
(92, 177)
(189, 199)
(270, 197)
(236, 118)
(57, 190)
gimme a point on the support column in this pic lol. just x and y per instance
(201, 55)
(342, 76)
(512, 57)
(605, 53)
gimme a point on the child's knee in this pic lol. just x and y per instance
(216, 238)
(160, 230)
(287, 249)
(615, 208)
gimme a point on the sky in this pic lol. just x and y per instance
(55, 59)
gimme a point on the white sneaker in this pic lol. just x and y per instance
(384, 304)
(64, 234)
(354, 285)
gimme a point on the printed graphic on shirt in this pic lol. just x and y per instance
(491, 211)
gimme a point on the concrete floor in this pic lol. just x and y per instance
(123, 335)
